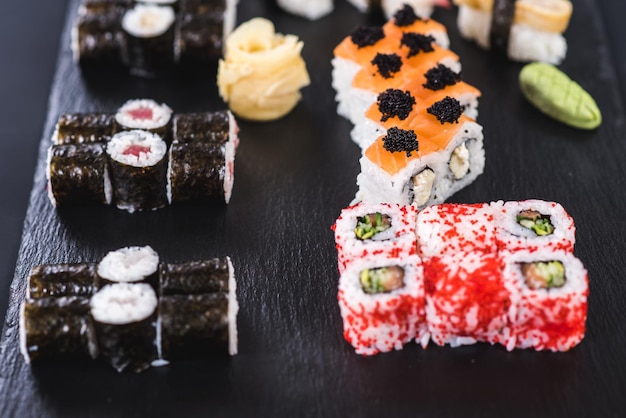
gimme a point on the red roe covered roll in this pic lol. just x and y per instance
(381, 229)
(381, 300)
(551, 298)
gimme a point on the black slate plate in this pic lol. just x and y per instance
(292, 178)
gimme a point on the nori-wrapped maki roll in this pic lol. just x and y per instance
(150, 35)
(194, 326)
(200, 38)
(98, 38)
(103, 6)
(195, 277)
(78, 174)
(138, 170)
(201, 164)
(56, 327)
(125, 316)
(79, 128)
(147, 115)
(129, 265)
(56, 280)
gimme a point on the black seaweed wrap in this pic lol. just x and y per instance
(100, 39)
(58, 328)
(194, 326)
(200, 38)
(128, 346)
(194, 277)
(198, 157)
(501, 21)
(77, 174)
(139, 188)
(151, 56)
(214, 8)
(56, 280)
(78, 128)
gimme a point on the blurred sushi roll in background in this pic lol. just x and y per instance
(202, 157)
(310, 9)
(78, 174)
(424, 8)
(474, 286)
(131, 310)
(524, 30)
(150, 37)
(138, 170)
(142, 157)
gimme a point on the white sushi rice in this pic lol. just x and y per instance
(23, 347)
(422, 8)
(361, 311)
(160, 114)
(123, 303)
(310, 9)
(562, 301)
(525, 43)
(122, 141)
(233, 309)
(129, 264)
(229, 156)
(148, 20)
(513, 236)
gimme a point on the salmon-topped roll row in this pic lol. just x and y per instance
(413, 115)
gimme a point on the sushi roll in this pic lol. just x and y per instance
(55, 328)
(97, 37)
(524, 30)
(57, 280)
(125, 316)
(199, 39)
(533, 225)
(467, 300)
(129, 265)
(201, 157)
(196, 277)
(424, 8)
(374, 229)
(147, 115)
(78, 174)
(310, 9)
(552, 288)
(149, 30)
(424, 166)
(80, 128)
(138, 170)
(381, 301)
(449, 229)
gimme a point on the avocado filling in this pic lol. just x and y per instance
(371, 224)
(536, 222)
(544, 274)
(382, 279)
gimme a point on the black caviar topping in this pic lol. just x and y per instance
(405, 16)
(446, 110)
(387, 64)
(364, 36)
(400, 140)
(439, 77)
(417, 42)
(394, 102)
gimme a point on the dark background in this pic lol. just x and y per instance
(591, 379)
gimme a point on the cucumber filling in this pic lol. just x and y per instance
(382, 279)
(371, 224)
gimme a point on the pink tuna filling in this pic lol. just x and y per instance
(142, 113)
(136, 150)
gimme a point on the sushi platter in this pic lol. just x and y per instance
(272, 226)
